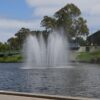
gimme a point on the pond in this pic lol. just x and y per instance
(77, 79)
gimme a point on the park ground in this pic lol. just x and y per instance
(86, 57)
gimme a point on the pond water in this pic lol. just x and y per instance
(78, 79)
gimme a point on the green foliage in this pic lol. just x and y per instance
(49, 22)
(4, 47)
(16, 42)
(69, 18)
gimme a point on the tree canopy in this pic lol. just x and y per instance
(69, 19)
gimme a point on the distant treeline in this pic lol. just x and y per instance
(68, 19)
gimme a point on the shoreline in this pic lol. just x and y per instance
(73, 61)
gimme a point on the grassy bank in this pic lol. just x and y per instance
(8, 59)
(91, 57)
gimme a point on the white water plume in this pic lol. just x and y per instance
(50, 53)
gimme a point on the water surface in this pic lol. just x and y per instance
(76, 79)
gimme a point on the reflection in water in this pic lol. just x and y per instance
(76, 81)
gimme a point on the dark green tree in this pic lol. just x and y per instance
(21, 35)
(69, 19)
(4, 47)
(13, 43)
(16, 42)
(49, 23)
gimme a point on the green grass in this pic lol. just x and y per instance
(88, 56)
(14, 58)
(81, 56)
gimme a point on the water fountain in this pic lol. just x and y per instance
(52, 53)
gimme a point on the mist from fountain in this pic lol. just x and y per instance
(39, 53)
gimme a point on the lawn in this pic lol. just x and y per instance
(14, 58)
(89, 56)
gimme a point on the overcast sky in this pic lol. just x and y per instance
(15, 14)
